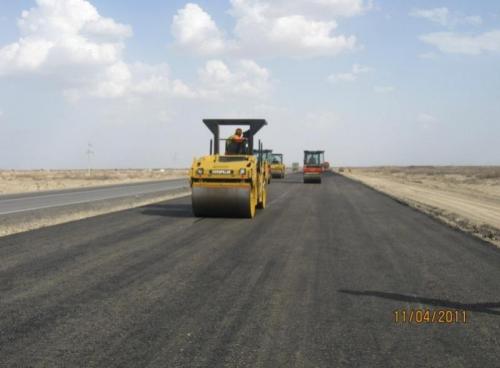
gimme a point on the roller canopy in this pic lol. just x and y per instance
(312, 158)
(277, 158)
(254, 124)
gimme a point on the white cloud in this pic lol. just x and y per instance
(106, 27)
(342, 77)
(425, 118)
(296, 34)
(135, 80)
(351, 76)
(263, 28)
(456, 43)
(59, 33)
(180, 89)
(246, 79)
(443, 16)
(270, 29)
(69, 42)
(358, 69)
(53, 18)
(146, 79)
(114, 83)
(194, 29)
(384, 89)
(311, 8)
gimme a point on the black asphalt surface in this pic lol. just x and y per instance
(16, 203)
(312, 281)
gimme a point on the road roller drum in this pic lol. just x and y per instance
(223, 201)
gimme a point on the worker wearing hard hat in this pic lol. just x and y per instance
(234, 144)
(237, 136)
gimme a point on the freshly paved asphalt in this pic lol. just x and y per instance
(15, 203)
(312, 281)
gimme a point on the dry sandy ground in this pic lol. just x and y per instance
(14, 181)
(466, 197)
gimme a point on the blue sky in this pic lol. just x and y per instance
(371, 82)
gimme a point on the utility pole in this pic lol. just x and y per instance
(89, 153)
(174, 158)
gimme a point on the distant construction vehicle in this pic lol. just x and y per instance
(295, 167)
(232, 184)
(277, 166)
(267, 156)
(313, 166)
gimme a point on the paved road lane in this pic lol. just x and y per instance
(312, 281)
(15, 203)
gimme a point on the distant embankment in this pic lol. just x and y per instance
(22, 181)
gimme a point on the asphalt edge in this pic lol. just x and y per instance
(31, 220)
(436, 213)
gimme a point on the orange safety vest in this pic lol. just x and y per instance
(237, 138)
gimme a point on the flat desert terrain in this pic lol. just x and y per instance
(467, 197)
(20, 181)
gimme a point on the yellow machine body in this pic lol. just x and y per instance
(228, 186)
(278, 170)
(277, 166)
(267, 156)
(233, 184)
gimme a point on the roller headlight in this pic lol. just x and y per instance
(199, 171)
(243, 171)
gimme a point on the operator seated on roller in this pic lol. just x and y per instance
(235, 144)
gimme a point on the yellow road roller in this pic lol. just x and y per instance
(233, 183)
(266, 156)
(277, 166)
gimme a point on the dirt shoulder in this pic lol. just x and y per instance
(464, 197)
(23, 181)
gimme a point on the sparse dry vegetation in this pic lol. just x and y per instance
(16, 181)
